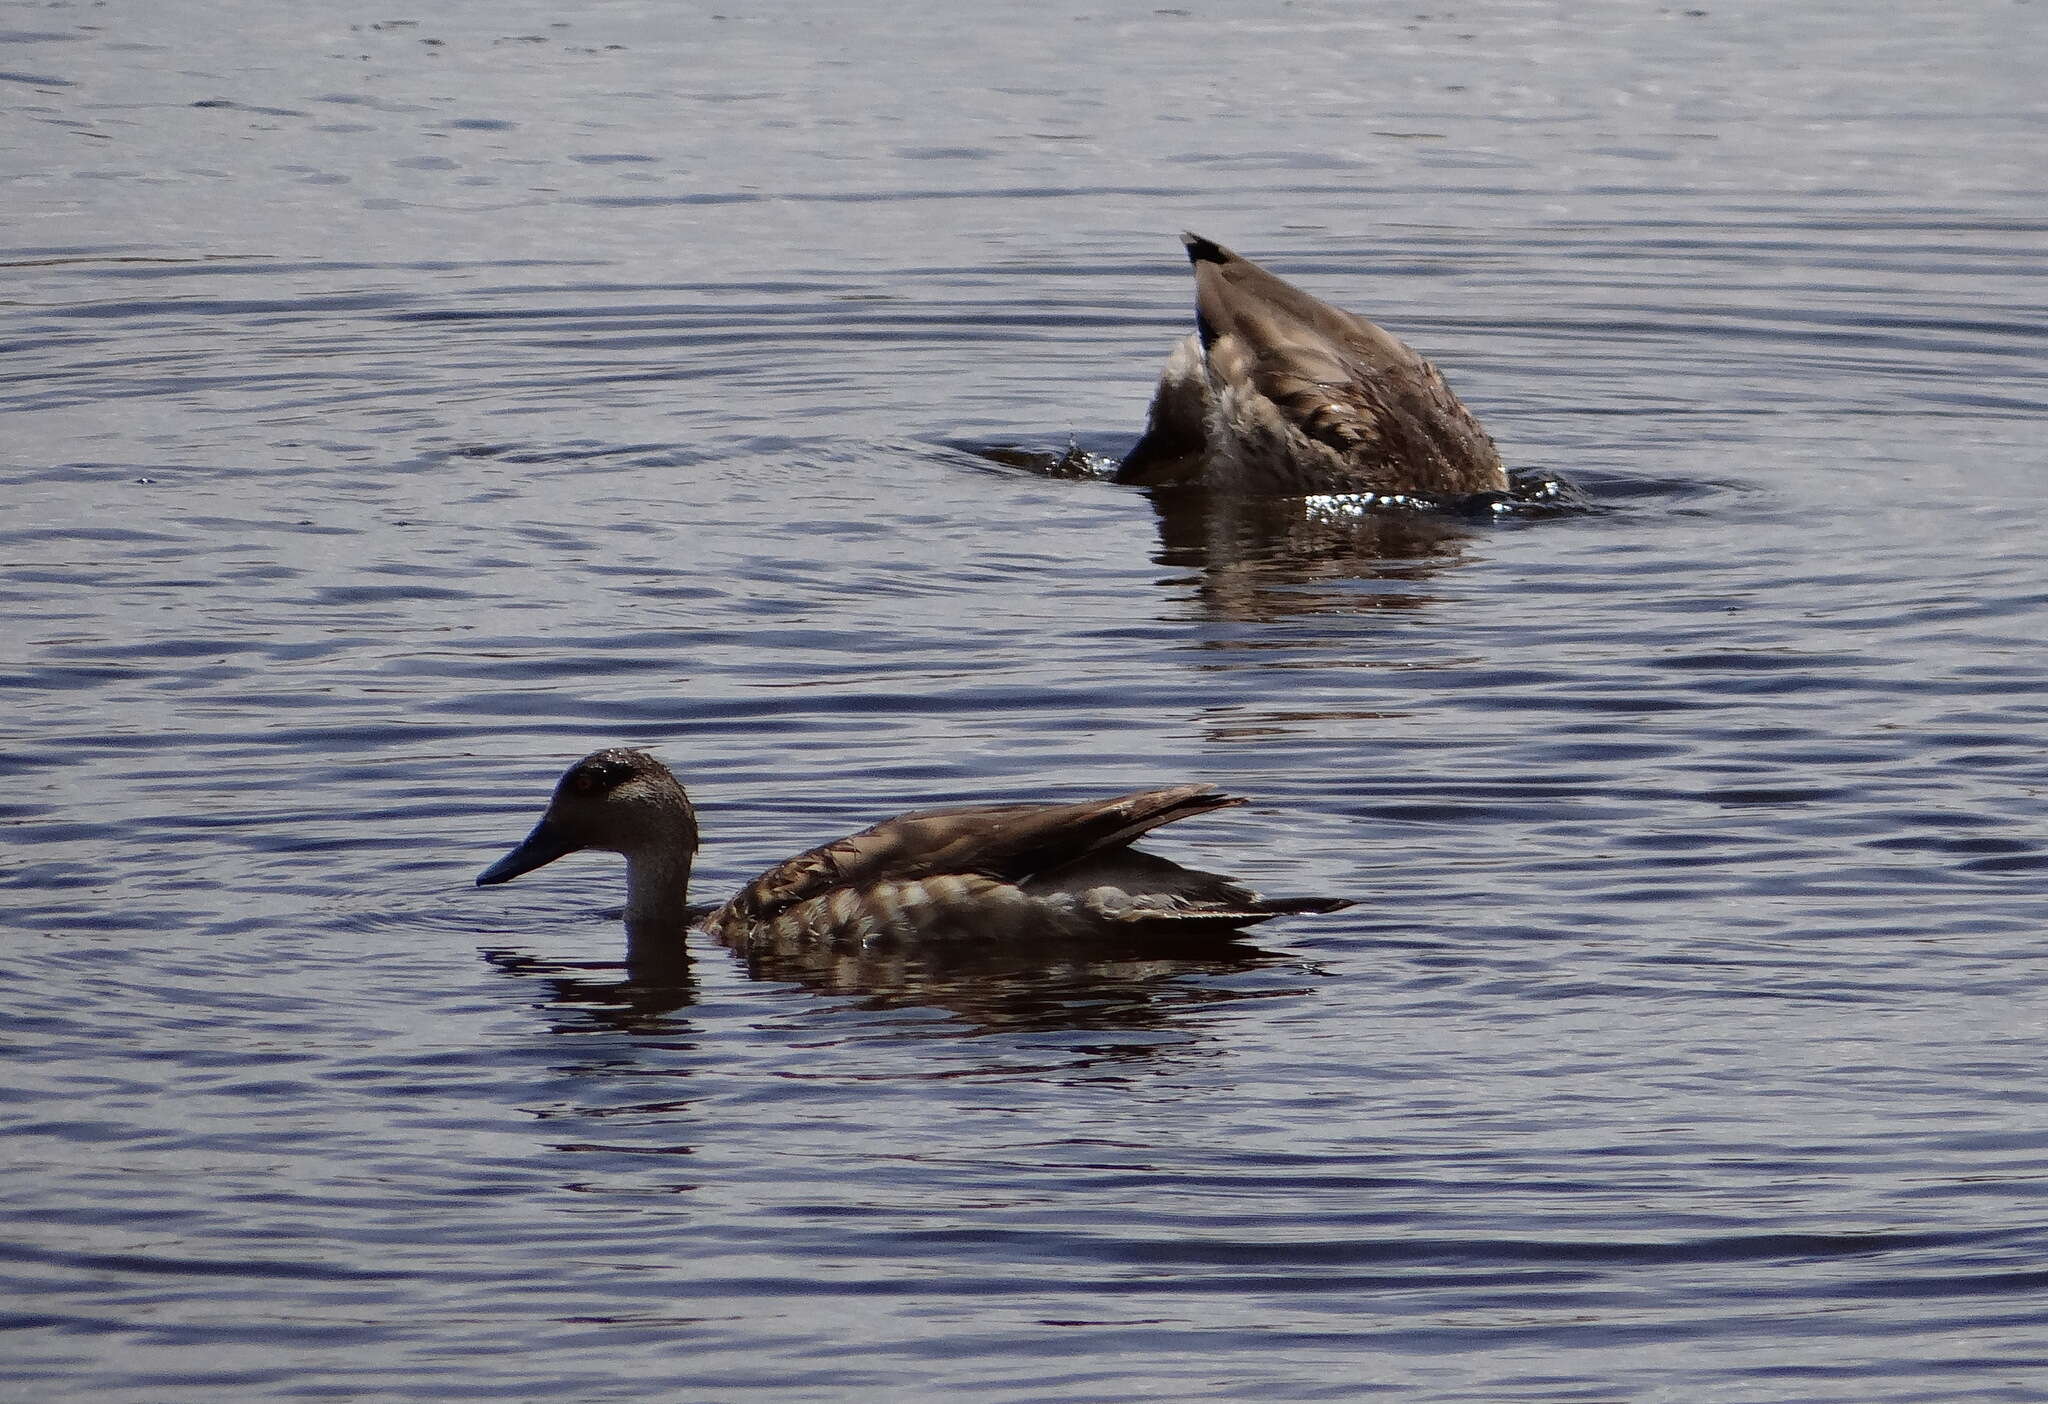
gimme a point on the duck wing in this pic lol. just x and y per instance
(986, 847)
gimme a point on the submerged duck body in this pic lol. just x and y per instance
(1279, 393)
(997, 871)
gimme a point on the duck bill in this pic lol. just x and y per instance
(539, 848)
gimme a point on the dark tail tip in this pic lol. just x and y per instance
(1202, 250)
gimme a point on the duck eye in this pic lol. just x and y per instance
(598, 776)
(594, 778)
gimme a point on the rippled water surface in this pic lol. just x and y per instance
(402, 403)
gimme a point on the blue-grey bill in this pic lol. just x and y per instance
(544, 845)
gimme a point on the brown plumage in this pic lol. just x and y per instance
(996, 871)
(1280, 393)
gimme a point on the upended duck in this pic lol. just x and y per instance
(1057, 871)
(1279, 393)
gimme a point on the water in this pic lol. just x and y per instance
(400, 405)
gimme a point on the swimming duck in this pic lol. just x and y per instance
(1279, 393)
(988, 871)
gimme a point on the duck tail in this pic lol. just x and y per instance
(1292, 906)
(1202, 250)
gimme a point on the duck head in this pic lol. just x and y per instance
(620, 801)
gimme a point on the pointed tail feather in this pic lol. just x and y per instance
(1290, 906)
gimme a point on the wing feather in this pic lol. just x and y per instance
(1009, 842)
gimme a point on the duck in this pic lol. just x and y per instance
(1278, 393)
(983, 871)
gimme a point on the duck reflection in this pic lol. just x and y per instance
(1075, 987)
(1261, 556)
(641, 996)
(1267, 557)
(1071, 987)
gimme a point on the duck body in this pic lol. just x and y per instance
(1279, 393)
(999, 872)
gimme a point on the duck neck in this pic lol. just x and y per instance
(658, 887)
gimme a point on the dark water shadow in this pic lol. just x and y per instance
(640, 996)
(1266, 558)
(1263, 557)
(1260, 552)
(1071, 986)
(1066, 987)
